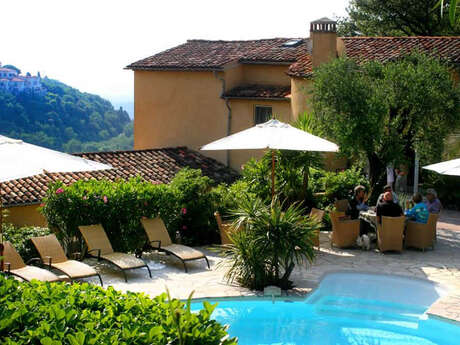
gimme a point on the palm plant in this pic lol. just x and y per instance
(270, 242)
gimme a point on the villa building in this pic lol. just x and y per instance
(12, 81)
(203, 90)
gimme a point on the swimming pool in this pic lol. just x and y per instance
(345, 309)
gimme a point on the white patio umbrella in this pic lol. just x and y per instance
(274, 135)
(451, 167)
(19, 159)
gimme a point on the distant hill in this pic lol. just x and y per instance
(65, 119)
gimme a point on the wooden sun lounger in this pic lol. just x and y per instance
(52, 254)
(14, 265)
(99, 246)
(158, 239)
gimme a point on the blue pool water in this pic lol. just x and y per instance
(346, 309)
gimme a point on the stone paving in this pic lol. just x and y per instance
(441, 265)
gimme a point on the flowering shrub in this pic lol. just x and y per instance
(185, 205)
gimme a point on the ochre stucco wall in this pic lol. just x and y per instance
(265, 74)
(300, 95)
(25, 215)
(178, 109)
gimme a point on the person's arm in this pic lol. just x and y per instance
(435, 207)
(410, 212)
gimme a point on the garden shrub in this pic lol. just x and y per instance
(19, 238)
(185, 206)
(271, 241)
(80, 314)
(336, 186)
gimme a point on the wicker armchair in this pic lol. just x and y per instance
(344, 232)
(225, 228)
(341, 205)
(390, 234)
(318, 215)
(421, 236)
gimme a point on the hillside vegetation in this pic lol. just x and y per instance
(65, 119)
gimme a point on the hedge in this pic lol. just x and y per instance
(185, 205)
(80, 314)
(19, 238)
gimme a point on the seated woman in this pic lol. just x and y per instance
(432, 202)
(358, 203)
(419, 212)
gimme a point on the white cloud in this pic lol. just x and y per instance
(87, 43)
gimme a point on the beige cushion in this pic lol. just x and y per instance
(75, 269)
(184, 252)
(96, 238)
(123, 260)
(156, 231)
(31, 272)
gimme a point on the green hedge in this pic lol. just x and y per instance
(185, 205)
(80, 314)
(19, 238)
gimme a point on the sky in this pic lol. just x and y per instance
(87, 43)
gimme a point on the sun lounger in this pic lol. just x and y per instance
(52, 255)
(14, 265)
(158, 239)
(99, 246)
(225, 229)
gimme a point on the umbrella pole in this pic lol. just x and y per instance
(273, 174)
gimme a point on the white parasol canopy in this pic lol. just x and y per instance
(273, 134)
(451, 167)
(19, 159)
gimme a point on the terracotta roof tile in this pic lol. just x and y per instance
(259, 92)
(213, 55)
(154, 165)
(384, 49)
(302, 67)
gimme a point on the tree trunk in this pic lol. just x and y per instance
(377, 170)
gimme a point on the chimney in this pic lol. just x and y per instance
(323, 34)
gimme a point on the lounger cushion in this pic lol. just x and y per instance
(184, 252)
(75, 269)
(31, 272)
(123, 260)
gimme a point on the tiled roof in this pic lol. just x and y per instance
(384, 49)
(302, 67)
(154, 165)
(259, 92)
(213, 55)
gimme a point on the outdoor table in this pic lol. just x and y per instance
(370, 217)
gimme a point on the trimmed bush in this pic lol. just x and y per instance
(186, 206)
(80, 314)
(19, 238)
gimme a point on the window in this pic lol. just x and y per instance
(262, 114)
(292, 43)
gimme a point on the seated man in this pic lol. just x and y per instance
(387, 188)
(432, 202)
(388, 208)
(358, 203)
(419, 212)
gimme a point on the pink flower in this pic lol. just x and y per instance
(42, 205)
(146, 203)
(85, 197)
(105, 199)
(184, 227)
(59, 191)
(184, 210)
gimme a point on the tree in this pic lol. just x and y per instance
(397, 18)
(382, 113)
